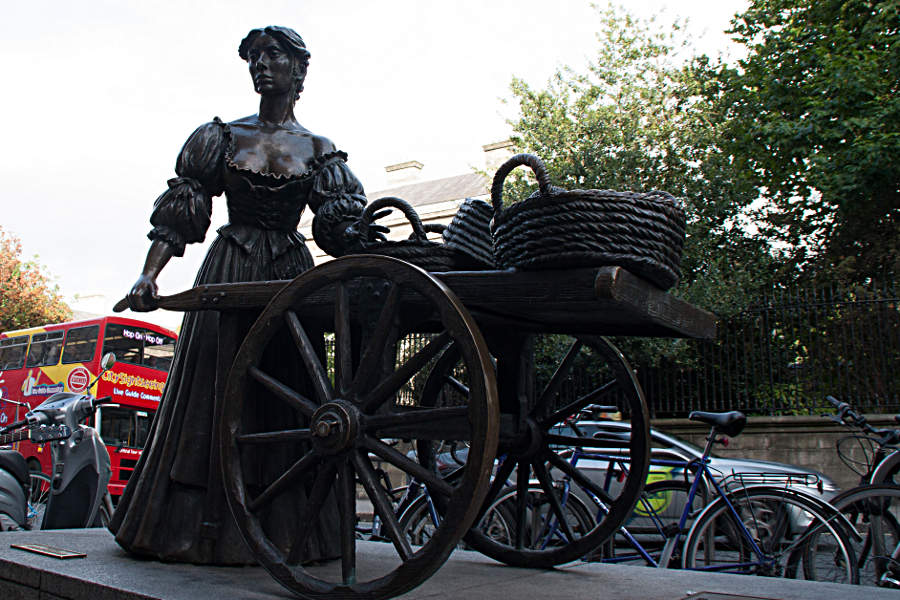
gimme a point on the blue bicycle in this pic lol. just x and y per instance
(750, 526)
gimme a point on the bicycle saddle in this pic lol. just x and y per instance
(730, 423)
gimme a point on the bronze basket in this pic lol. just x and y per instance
(563, 229)
(418, 249)
(469, 233)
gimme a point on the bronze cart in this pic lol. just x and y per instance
(471, 380)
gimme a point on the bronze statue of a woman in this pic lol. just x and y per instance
(270, 168)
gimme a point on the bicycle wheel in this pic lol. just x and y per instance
(542, 530)
(875, 512)
(655, 518)
(38, 494)
(561, 376)
(420, 520)
(771, 532)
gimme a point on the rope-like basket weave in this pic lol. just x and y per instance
(418, 249)
(558, 229)
(469, 233)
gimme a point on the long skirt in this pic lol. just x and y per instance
(174, 508)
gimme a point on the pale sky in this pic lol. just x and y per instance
(100, 95)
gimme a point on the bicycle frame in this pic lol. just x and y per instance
(673, 536)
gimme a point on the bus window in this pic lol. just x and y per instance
(122, 340)
(159, 351)
(45, 349)
(80, 344)
(139, 346)
(12, 352)
(142, 430)
(121, 426)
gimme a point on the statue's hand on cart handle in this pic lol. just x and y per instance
(144, 295)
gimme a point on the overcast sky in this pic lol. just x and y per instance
(100, 95)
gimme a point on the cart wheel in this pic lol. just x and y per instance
(543, 451)
(352, 410)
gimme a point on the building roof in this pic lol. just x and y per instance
(420, 193)
(425, 193)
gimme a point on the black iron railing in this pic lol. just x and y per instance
(780, 356)
(783, 355)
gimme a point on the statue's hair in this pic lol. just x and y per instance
(290, 41)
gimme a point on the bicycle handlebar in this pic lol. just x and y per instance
(848, 416)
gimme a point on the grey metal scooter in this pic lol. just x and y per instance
(23, 494)
(81, 466)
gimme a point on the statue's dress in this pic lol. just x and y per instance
(173, 507)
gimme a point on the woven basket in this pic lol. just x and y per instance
(418, 249)
(563, 229)
(469, 233)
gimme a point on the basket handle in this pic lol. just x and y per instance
(403, 206)
(536, 164)
(431, 228)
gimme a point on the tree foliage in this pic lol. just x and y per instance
(637, 119)
(27, 297)
(812, 116)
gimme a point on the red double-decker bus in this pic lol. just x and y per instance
(65, 357)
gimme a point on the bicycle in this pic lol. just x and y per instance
(747, 528)
(880, 462)
(872, 507)
(412, 506)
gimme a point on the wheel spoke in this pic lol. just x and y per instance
(306, 406)
(377, 346)
(314, 367)
(310, 512)
(382, 503)
(522, 473)
(343, 340)
(430, 478)
(540, 469)
(576, 405)
(559, 376)
(347, 509)
(398, 378)
(272, 437)
(579, 478)
(280, 484)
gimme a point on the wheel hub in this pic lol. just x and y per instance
(528, 443)
(335, 427)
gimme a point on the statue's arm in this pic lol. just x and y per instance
(144, 295)
(181, 215)
(338, 199)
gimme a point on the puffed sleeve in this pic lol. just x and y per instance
(338, 199)
(181, 214)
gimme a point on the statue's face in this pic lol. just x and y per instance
(270, 66)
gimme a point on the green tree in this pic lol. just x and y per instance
(812, 117)
(637, 118)
(26, 295)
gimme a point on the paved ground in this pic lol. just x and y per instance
(108, 573)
